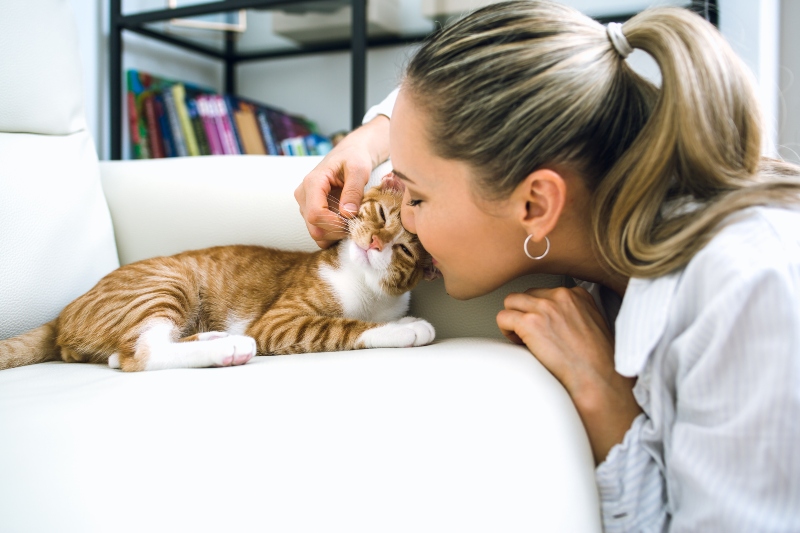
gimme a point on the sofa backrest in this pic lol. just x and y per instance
(56, 239)
(165, 206)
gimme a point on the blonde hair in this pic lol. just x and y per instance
(523, 85)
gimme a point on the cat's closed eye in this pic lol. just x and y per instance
(406, 251)
(383, 215)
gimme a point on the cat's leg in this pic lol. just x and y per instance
(205, 336)
(157, 347)
(406, 332)
(284, 331)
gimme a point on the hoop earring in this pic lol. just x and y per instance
(546, 250)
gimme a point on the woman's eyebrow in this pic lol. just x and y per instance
(402, 176)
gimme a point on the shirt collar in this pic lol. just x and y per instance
(642, 320)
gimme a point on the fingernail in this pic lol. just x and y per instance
(351, 207)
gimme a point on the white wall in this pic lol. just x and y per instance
(763, 32)
(789, 96)
(753, 29)
(88, 18)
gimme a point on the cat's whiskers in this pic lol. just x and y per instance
(338, 221)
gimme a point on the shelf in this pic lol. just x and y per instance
(232, 48)
(260, 43)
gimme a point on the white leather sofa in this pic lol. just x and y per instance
(468, 434)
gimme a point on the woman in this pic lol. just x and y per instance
(528, 145)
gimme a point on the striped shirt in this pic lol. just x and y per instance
(716, 348)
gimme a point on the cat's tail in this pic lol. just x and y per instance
(36, 346)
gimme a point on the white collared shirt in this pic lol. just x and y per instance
(383, 108)
(716, 348)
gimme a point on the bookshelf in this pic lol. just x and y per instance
(145, 23)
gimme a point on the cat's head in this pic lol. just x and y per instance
(380, 245)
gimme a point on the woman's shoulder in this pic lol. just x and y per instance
(755, 250)
(749, 244)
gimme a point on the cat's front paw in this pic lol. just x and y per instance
(404, 333)
(232, 350)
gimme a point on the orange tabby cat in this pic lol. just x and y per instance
(221, 306)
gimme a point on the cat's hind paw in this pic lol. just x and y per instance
(404, 333)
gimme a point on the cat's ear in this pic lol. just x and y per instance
(391, 183)
(431, 273)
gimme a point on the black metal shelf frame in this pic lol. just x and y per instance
(357, 45)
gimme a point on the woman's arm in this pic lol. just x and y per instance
(565, 330)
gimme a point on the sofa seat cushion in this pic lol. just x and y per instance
(463, 435)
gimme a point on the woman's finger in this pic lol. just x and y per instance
(524, 302)
(511, 324)
(355, 179)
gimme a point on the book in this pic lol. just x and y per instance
(223, 126)
(175, 127)
(249, 131)
(179, 97)
(163, 125)
(229, 105)
(209, 125)
(156, 144)
(197, 126)
(266, 133)
(136, 120)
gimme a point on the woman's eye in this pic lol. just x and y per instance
(414, 203)
(383, 215)
(406, 251)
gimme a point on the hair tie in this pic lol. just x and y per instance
(617, 38)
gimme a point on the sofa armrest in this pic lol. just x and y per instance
(166, 206)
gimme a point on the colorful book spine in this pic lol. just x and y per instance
(197, 126)
(224, 126)
(230, 104)
(133, 125)
(179, 97)
(163, 126)
(175, 128)
(153, 128)
(266, 132)
(136, 118)
(317, 144)
(210, 125)
(249, 133)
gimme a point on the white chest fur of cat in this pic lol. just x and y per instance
(357, 284)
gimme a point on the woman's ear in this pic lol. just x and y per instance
(541, 197)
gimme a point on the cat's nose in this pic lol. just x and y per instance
(376, 244)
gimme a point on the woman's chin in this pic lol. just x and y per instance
(459, 291)
(465, 289)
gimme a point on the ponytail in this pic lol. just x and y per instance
(696, 161)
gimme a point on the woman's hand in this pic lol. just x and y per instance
(337, 183)
(567, 333)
